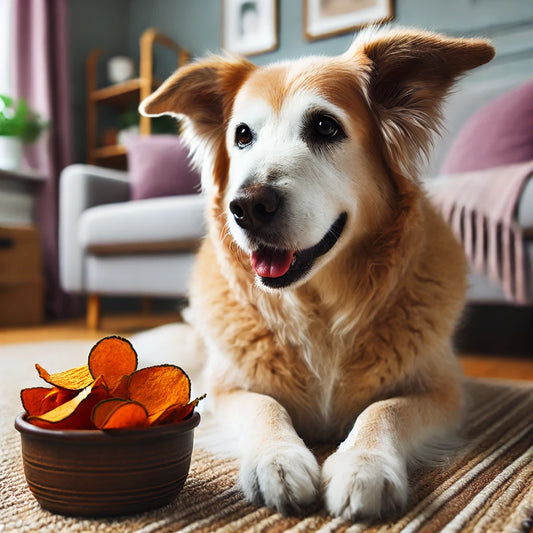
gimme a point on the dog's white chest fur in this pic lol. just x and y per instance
(318, 411)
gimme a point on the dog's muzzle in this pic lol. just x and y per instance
(256, 209)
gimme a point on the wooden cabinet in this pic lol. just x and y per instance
(123, 95)
(21, 278)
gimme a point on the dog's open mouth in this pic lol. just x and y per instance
(280, 268)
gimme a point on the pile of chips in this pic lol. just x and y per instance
(109, 392)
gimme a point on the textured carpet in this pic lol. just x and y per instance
(487, 488)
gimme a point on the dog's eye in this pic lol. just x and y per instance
(243, 136)
(326, 126)
(321, 132)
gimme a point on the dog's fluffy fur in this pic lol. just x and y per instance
(328, 288)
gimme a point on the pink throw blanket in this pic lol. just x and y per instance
(480, 207)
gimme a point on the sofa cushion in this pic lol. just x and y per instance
(159, 166)
(500, 133)
(140, 226)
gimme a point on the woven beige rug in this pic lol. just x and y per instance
(488, 488)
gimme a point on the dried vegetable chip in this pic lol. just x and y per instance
(71, 414)
(159, 387)
(103, 410)
(109, 393)
(174, 413)
(33, 398)
(120, 390)
(74, 379)
(39, 400)
(112, 358)
(126, 415)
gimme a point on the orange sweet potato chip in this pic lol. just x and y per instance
(116, 413)
(39, 400)
(64, 411)
(102, 410)
(109, 392)
(81, 418)
(128, 415)
(120, 390)
(174, 413)
(74, 379)
(159, 387)
(32, 399)
(112, 358)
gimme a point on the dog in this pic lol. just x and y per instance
(328, 288)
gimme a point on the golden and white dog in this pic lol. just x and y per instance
(327, 289)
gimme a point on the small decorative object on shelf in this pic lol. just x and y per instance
(18, 125)
(120, 68)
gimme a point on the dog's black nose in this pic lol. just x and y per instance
(255, 205)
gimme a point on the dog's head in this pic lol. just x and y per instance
(299, 157)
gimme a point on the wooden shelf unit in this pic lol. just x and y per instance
(123, 95)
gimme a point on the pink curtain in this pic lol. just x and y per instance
(40, 75)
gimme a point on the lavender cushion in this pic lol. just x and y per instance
(159, 166)
(500, 133)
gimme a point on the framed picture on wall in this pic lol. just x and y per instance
(324, 18)
(249, 27)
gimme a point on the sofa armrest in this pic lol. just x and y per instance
(524, 210)
(82, 187)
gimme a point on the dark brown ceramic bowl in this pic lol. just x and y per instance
(104, 473)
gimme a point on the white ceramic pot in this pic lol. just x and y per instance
(120, 68)
(11, 150)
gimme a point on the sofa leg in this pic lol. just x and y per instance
(93, 311)
(146, 305)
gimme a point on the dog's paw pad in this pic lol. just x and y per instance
(285, 477)
(364, 485)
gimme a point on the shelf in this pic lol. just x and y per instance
(110, 151)
(112, 156)
(122, 94)
(28, 175)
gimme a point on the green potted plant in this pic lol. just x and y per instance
(18, 125)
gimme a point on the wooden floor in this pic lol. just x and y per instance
(122, 324)
(476, 365)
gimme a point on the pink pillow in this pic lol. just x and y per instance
(159, 166)
(500, 133)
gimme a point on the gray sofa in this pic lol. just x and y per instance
(111, 245)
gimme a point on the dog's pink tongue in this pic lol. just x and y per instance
(270, 263)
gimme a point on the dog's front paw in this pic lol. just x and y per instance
(364, 485)
(285, 477)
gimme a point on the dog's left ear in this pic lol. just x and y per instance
(410, 72)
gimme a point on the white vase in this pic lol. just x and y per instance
(11, 149)
(120, 68)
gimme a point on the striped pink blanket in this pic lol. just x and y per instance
(480, 207)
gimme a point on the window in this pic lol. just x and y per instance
(5, 46)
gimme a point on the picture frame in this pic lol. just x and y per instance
(249, 27)
(326, 18)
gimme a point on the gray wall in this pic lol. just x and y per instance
(92, 24)
(196, 25)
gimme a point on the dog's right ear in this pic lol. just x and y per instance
(202, 93)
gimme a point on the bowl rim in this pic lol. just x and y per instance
(26, 428)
